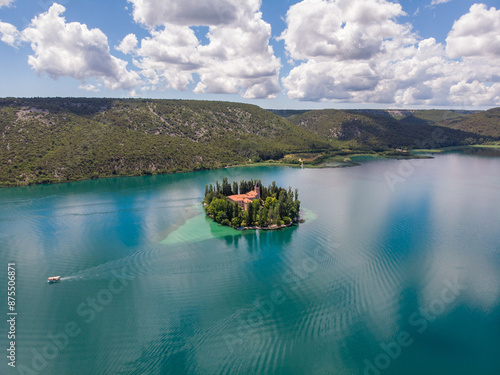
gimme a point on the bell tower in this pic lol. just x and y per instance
(257, 190)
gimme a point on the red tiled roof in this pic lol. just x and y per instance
(247, 198)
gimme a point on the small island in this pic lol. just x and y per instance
(249, 205)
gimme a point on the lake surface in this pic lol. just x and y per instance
(396, 270)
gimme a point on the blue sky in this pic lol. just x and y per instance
(276, 54)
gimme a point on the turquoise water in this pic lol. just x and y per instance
(395, 271)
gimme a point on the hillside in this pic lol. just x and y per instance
(68, 139)
(45, 140)
(485, 124)
(381, 129)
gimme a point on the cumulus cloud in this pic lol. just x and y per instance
(187, 12)
(89, 87)
(5, 3)
(237, 58)
(72, 50)
(356, 51)
(476, 33)
(9, 34)
(169, 56)
(474, 93)
(341, 29)
(340, 42)
(128, 44)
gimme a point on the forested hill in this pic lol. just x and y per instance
(47, 140)
(486, 124)
(68, 139)
(379, 129)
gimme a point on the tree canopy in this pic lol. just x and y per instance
(276, 207)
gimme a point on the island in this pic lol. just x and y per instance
(250, 205)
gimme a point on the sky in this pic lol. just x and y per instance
(279, 54)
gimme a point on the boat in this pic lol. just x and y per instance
(54, 279)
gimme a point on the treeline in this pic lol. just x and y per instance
(46, 140)
(232, 189)
(275, 208)
(383, 130)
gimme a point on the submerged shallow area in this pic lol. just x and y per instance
(396, 270)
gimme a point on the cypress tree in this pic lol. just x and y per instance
(250, 214)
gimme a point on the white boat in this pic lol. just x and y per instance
(54, 279)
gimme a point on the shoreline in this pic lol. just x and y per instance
(294, 222)
(341, 164)
(343, 161)
(272, 227)
(453, 148)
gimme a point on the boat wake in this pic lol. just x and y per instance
(155, 261)
(129, 265)
(69, 278)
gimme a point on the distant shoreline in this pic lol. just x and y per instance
(340, 159)
(452, 148)
(335, 158)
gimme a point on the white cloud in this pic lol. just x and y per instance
(474, 93)
(128, 44)
(169, 56)
(319, 80)
(72, 50)
(239, 56)
(134, 94)
(237, 59)
(476, 33)
(341, 29)
(5, 3)
(9, 34)
(154, 13)
(437, 2)
(355, 51)
(89, 87)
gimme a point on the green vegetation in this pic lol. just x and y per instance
(383, 130)
(485, 125)
(48, 140)
(70, 139)
(276, 207)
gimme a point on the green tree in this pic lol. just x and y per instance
(221, 216)
(278, 207)
(236, 221)
(256, 209)
(236, 210)
(250, 214)
(274, 214)
(264, 217)
(244, 218)
(226, 187)
(282, 203)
